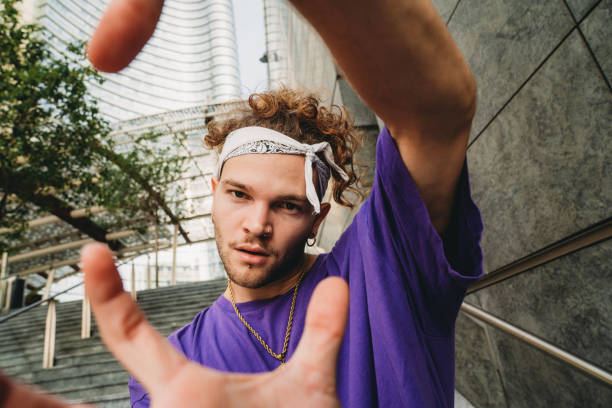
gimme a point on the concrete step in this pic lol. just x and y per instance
(71, 320)
(92, 346)
(84, 369)
(39, 314)
(66, 342)
(24, 340)
(107, 378)
(89, 391)
(74, 346)
(146, 298)
(76, 358)
(119, 400)
(184, 288)
(204, 295)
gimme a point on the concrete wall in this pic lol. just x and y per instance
(541, 173)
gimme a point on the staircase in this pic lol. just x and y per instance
(84, 370)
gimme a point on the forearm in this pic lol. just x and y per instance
(399, 57)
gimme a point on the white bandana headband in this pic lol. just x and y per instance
(261, 140)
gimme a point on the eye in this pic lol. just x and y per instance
(237, 194)
(290, 207)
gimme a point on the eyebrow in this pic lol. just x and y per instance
(292, 197)
(235, 184)
(287, 197)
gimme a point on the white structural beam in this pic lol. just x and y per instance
(52, 219)
(125, 253)
(83, 212)
(79, 243)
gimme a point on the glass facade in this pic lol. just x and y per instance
(190, 60)
(296, 55)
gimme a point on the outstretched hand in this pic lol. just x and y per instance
(307, 380)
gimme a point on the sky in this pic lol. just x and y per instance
(250, 36)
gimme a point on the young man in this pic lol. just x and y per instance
(408, 255)
(406, 284)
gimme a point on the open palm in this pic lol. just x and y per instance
(307, 380)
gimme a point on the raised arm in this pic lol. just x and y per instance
(399, 57)
(397, 54)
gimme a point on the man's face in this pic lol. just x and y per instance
(262, 217)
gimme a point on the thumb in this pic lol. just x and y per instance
(324, 328)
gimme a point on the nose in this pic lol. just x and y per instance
(257, 220)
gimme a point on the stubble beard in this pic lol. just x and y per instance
(259, 276)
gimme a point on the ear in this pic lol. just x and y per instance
(325, 207)
(213, 184)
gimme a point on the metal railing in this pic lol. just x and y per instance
(542, 345)
(51, 319)
(36, 304)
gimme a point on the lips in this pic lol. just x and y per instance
(251, 254)
(252, 249)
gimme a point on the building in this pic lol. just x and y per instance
(295, 54)
(191, 59)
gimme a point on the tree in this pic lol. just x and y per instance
(56, 152)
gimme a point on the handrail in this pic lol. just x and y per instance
(51, 319)
(534, 341)
(86, 318)
(37, 303)
(592, 235)
(41, 301)
(49, 340)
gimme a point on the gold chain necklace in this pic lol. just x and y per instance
(280, 357)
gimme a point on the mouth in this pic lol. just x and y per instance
(252, 252)
(252, 249)
(252, 255)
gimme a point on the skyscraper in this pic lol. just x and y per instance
(191, 59)
(296, 55)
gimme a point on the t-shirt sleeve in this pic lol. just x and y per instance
(393, 232)
(139, 398)
(399, 202)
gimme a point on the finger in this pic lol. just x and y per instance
(14, 395)
(123, 326)
(324, 328)
(124, 29)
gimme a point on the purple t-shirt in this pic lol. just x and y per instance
(406, 287)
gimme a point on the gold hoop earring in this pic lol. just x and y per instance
(314, 240)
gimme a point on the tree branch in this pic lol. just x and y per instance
(61, 209)
(120, 162)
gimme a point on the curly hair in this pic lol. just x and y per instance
(300, 116)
